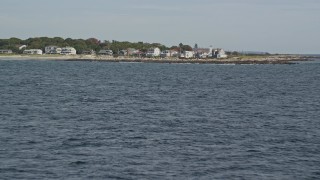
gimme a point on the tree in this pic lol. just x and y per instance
(175, 48)
(186, 48)
(69, 41)
(235, 53)
(4, 42)
(79, 44)
(14, 41)
(93, 41)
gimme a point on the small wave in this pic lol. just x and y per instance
(78, 163)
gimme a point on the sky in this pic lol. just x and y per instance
(275, 26)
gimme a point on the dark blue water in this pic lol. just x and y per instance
(91, 120)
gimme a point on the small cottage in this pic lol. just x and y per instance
(5, 51)
(33, 51)
(106, 52)
(68, 51)
(153, 52)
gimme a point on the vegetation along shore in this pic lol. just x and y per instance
(92, 49)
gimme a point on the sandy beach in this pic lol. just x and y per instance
(283, 59)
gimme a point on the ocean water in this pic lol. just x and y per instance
(94, 120)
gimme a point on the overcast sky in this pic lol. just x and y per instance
(276, 26)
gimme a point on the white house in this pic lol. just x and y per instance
(153, 52)
(219, 53)
(68, 51)
(5, 51)
(128, 52)
(203, 53)
(106, 52)
(33, 51)
(52, 50)
(169, 53)
(187, 54)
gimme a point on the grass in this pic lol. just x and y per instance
(249, 57)
(8, 54)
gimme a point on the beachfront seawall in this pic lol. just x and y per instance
(289, 59)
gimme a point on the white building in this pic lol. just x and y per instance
(52, 50)
(203, 53)
(5, 51)
(153, 52)
(219, 53)
(128, 52)
(33, 51)
(169, 53)
(68, 51)
(187, 55)
(106, 52)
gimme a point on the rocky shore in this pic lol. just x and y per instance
(282, 59)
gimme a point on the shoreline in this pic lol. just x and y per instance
(281, 59)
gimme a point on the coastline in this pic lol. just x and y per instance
(273, 59)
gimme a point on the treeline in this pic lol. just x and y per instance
(82, 44)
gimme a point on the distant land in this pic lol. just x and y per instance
(57, 48)
(82, 45)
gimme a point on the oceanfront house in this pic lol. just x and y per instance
(106, 52)
(128, 52)
(52, 50)
(219, 53)
(123, 53)
(187, 55)
(169, 53)
(33, 51)
(5, 51)
(153, 52)
(203, 53)
(89, 52)
(68, 51)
